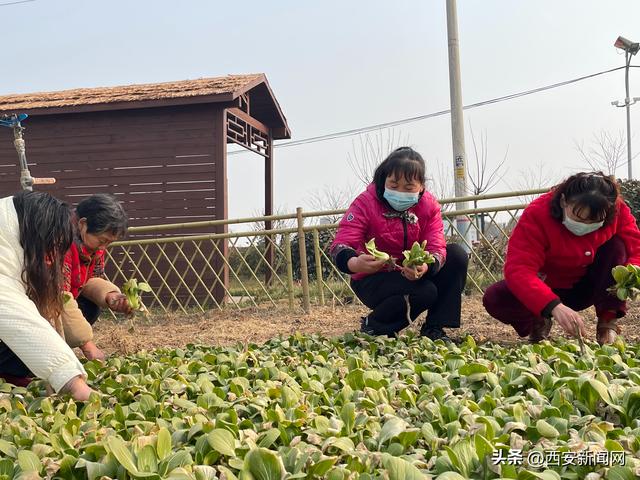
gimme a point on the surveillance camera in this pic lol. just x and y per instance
(627, 45)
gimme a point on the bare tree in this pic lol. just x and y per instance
(533, 177)
(540, 175)
(440, 182)
(260, 225)
(330, 197)
(482, 177)
(606, 152)
(368, 151)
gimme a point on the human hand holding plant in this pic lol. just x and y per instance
(414, 273)
(372, 261)
(118, 302)
(416, 261)
(569, 320)
(132, 290)
(365, 263)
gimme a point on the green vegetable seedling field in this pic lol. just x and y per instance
(351, 407)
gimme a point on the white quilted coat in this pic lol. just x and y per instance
(22, 329)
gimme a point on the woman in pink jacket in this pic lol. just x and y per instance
(396, 210)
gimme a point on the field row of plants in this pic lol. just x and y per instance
(354, 407)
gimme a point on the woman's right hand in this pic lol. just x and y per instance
(78, 389)
(118, 302)
(92, 352)
(568, 319)
(365, 263)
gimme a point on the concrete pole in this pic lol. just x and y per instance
(627, 102)
(457, 122)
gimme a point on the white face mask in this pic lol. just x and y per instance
(578, 228)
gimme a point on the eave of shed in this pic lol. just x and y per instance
(265, 107)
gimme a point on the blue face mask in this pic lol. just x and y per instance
(400, 201)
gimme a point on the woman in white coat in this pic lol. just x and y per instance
(35, 233)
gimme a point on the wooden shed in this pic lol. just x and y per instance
(160, 148)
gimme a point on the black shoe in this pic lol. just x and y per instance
(436, 333)
(364, 327)
(541, 329)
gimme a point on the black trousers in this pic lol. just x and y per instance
(90, 310)
(11, 365)
(440, 294)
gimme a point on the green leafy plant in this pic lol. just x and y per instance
(353, 407)
(66, 297)
(627, 280)
(417, 255)
(133, 290)
(373, 251)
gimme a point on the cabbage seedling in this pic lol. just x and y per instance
(627, 279)
(417, 256)
(373, 251)
(132, 289)
(66, 297)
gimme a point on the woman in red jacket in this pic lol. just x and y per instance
(397, 211)
(560, 256)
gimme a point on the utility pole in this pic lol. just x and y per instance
(627, 102)
(630, 49)
(457, 123)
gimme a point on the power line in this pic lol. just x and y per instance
(345, 133)
(380, 126)
(15, 3)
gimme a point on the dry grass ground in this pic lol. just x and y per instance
(258, 325)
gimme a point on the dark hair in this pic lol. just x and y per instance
(46, 233)
(593, 190)
(103, 214)
(403, 162)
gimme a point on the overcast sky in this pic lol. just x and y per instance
(339, 65)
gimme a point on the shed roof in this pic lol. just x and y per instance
(202, 90)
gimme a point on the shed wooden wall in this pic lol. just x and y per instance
(165, 165)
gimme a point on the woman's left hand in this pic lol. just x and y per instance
(416, 273)
(118, 302)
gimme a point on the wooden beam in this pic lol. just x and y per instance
(278, 109)
(250, 120)
(268, 206)
(221, 202)
(280, 133)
